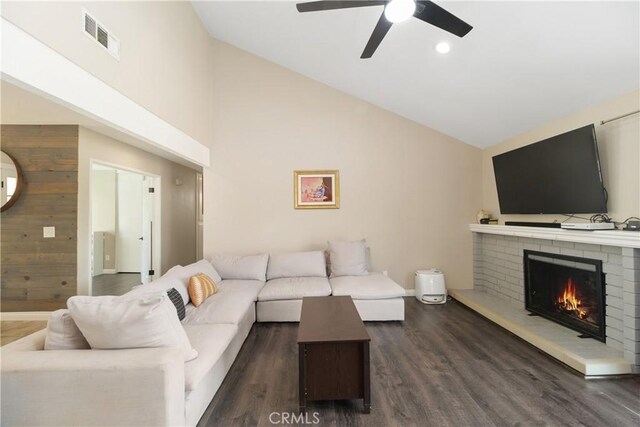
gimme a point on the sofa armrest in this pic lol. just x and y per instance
(92, 387)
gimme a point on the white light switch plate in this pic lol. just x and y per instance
(48, 232)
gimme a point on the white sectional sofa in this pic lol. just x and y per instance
(154, 386)
(136, 387)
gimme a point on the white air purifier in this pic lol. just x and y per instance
(430, 286)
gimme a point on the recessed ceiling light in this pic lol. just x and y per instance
(443, 47)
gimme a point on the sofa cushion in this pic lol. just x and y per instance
(130, 321)
(178, 277)
(327, 260)
(203, 266)
(295, 288)
(371, 286)
(63, 333)
(210, 341)
(250, 287)
(234, 267)
(185, 273)
(296, 264)
(228, 305)
(170, 279)
(348, 258)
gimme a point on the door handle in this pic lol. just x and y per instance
(140, 238)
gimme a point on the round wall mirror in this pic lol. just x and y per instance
(11, 181)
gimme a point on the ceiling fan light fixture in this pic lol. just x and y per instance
(443, 47)
(399, 10)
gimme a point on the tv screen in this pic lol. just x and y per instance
(559, 175)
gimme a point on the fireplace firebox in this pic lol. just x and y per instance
(566, 289)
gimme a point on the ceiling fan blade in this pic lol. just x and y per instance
(433, 14)
(314, 6)
(381, 29)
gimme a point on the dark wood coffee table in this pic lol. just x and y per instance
(333, 347)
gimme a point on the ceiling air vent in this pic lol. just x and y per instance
(103, 37)
(90, 25)
(99, 33)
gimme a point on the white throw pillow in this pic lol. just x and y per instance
(202, 266)
(296, 264)
(348, 258)
(130, 321)
(63, 333)
(327, 260)
(171, 279)
(234, 267)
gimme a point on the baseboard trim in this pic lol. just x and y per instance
(109, 271)
(25, 315)
(410, 292)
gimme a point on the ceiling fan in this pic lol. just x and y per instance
(395, 11)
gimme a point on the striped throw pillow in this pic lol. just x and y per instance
(176, 299)
(201, 287)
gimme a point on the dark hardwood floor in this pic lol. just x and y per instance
(114, 284)
(444, 366)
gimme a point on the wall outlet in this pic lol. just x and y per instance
(48, 232)
(107, 257)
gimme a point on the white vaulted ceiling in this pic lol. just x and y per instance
(523, 64)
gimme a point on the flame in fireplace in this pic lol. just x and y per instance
(569, 302)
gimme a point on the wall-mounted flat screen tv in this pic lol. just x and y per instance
(559, 175)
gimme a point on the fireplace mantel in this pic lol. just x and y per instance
(619, 238)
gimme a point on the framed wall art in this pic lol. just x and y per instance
(316, 189)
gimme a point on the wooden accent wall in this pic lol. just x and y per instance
(40, 274)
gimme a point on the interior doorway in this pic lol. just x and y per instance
(125, 225)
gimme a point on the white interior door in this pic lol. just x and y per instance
(129, 218)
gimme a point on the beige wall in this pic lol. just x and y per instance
(178, 215)
(619, 147)
(165, 52)
(409, 190)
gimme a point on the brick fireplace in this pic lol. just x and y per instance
(499, 273)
